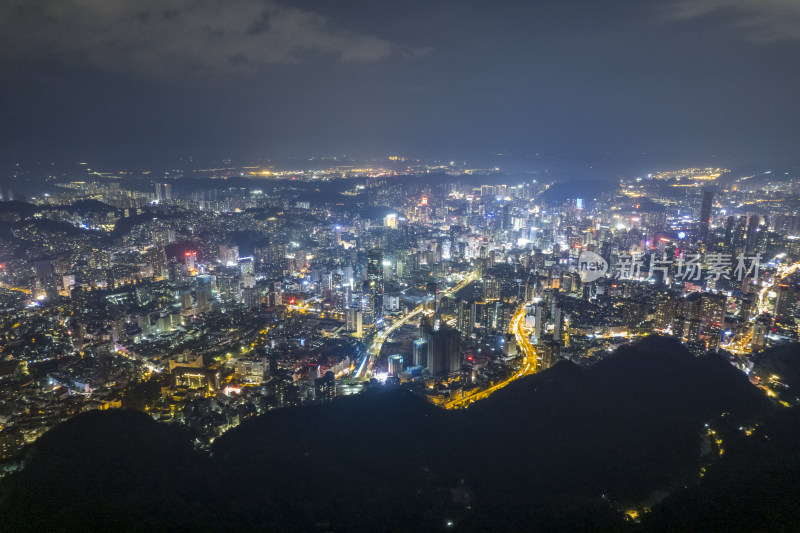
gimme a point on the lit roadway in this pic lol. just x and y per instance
(742, 346)
(530, 365)
(11, 288)
(365, 368)
(782, 272)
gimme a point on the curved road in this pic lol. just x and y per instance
(779, 276)
(530, 365)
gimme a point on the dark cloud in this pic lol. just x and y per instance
(165, 37)
(672, 82)
(758, 20)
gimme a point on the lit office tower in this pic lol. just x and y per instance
(747, 307)
(533, 319)
(558, 323)
(251, 296)
(550, 352)
(228, 285)
(444, 350)
(760, 329)
(395, 365)
(368, 303)
(325, 387)
(753, 222)
(167, 191)
(157, 258)
(375, 266)
(491, 288)
(421, 353)
(666, 307)
(712, 308)
(705, 216)
(353, 319)
(274, 295)
(375, 280)
(530, 289)
(158, 192)
(186, 299)
(228, 254)
(783, 300)
(203, 293)
(465, 318)
(46, 279)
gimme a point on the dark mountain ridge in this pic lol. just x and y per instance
(569, 448)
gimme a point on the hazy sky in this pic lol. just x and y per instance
(150, 80)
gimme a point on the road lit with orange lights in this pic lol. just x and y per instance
(742, 346)
(12, 288)
(530, 365)
(782, 273)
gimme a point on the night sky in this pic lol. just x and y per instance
(141, 82)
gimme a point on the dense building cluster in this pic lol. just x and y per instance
(207, 301)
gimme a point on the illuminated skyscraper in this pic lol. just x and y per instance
(783, 300)
(374, 285)
(444, 350)
(395, 365)
(421, 353)
(353, 319)
(705, 216)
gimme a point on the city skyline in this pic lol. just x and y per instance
(445, 265)
(349, 301)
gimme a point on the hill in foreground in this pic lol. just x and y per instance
(566, 449)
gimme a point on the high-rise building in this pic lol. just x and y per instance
(228, 254)
(550, 352)
(705, 216)
(712, 308)
(753, 223)
(368, 303)
(666, 306)
(444, 350)
(353, 318)
(760, 329)
(325, 387)
(692, 330)
(186, 299)
(489, 318)
(534, 319)
(558, 323)
(747, 307)
(46, 278)
(420, 354)
(375, 265)
(491, 288)
(157, 258)
(374, 283)
(251, 297)
(228, 285)
(465, 317)
(251, 370)
(784, 295)
(395, 365)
